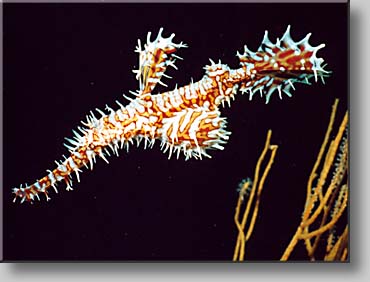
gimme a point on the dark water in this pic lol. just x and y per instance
(63, 60)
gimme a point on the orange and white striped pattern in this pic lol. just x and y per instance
(187, 119)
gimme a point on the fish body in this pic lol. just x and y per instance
(186, 119)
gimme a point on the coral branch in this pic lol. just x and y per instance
(322, 200)
(239, 251)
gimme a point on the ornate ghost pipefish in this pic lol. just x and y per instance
(186, 119)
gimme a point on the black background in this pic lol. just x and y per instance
(63, 60)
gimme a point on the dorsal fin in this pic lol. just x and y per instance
(154, 59)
